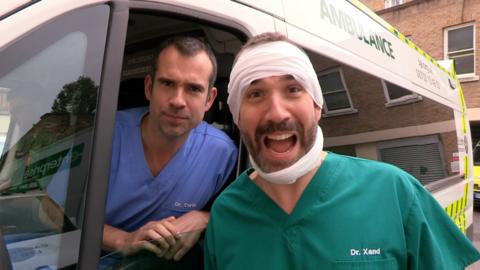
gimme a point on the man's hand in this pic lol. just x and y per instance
(170, 238)
(190, 226)
(155, 236)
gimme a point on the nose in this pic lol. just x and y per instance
(277, 109)
(178, 98)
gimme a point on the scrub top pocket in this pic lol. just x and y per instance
(382, 264)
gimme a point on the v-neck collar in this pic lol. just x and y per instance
(315, 192)
(141, 152)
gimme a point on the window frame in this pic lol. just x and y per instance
(96, 193)
(465, 76)
(393, 3)
(337, 112)
(406, 99)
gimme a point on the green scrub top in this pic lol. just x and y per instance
(354, 214)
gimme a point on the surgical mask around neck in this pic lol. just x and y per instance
(289, 175)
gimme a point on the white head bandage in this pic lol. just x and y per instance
(271, 59)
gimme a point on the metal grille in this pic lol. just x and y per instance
(422, 161)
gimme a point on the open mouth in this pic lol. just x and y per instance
(280, 143)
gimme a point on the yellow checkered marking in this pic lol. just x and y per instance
(456, 211)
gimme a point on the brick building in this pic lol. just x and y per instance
(381, 121)
(446, 29)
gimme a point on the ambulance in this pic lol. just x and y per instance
(67, 67)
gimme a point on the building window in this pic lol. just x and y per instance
(392, 3)
(397, 95)
(335, 93)
(460, 47)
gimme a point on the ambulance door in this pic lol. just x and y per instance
(50, 84)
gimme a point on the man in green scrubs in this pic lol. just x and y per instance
(302, 208)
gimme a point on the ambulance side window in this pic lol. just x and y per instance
(49, 82)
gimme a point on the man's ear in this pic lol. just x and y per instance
(318, 112)
(211, 98)
(148, 86)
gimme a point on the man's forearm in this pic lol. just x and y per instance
(113, 238)
(203, 218)
(192, 221)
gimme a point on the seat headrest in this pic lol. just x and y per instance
(131, 94)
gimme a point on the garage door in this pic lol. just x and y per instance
(422, 161)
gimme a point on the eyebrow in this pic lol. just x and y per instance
(160, 78)
(282, 77)
(197, 85)
(194, 84)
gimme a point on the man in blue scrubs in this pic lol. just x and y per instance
(167, 163)
(302, 208)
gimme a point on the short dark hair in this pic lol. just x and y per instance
(265, 38)
(187, 46)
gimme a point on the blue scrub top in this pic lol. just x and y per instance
(194, 174)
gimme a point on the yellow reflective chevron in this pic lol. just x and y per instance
(456, 211)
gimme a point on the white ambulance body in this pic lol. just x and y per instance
(67, 66)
